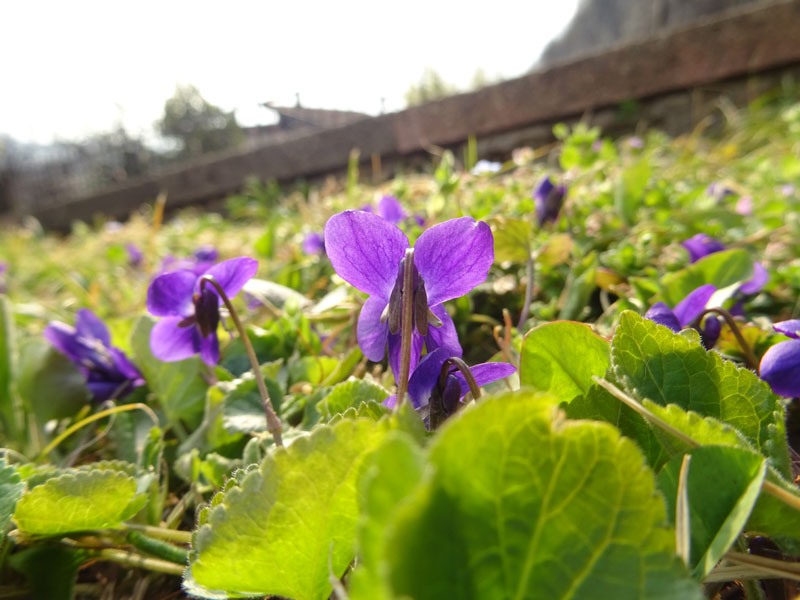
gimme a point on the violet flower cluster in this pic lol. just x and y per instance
(191, 314)
(701, 245)
(109, 373)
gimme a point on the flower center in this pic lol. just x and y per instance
(421, 315)
(206, 312)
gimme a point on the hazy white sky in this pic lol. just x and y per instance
(74, 68)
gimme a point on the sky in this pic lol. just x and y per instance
(72, 69)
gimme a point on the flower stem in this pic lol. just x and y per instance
(749, 358)
(407, 325)
(526, 305)
(133, 559)
(458, 363)
(273, 422)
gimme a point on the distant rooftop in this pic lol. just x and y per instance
(298, 116)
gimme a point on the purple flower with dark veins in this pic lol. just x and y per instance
(191, 314)
(108, 372)
(780, 365)
(548, 199)
(313, 244)
(424, 381)
(450, 259)
(686, 312)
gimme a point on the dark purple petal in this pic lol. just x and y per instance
(313, 244)
(103, 390)
(710, 331)
(444, 336)
(209, 349)
(390, 209)
(371, 333)
(701, 245)
(780, 368)
(484, 373)
(168, 342)
(424, 377)
(170, 294)
(125, 367)
(757, 282)
(662, 314)
(394, 353)
(453, 257)
(365, 251)
(790, 328)
(233, 273)
(688, 309)
(206, 254)
(89, 325)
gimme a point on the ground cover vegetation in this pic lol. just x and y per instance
(570, 375)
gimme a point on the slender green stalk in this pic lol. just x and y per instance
(526, 305)
(96, 417)
(407, 325)
(273, 422)
(132, 559)
(749, 358)
(682, 528)
(172, 535)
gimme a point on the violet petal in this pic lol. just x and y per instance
(688, 309)
(233, 273)
(89, 325)
(444, 336)
(209, 349)
(390, 209)
(701, 245)
(662, 314)
(485, 373)
(170, 294)
(757, 282)
(65, 339)
(168, 342)
(453, 257)
(365, 250)
(790, 328)
(780, 368)
(425, 376)
(371, 333)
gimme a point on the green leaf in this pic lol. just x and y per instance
(11, 487)
(723, 485)
(630, 190)
(521, 504)
(179, 386)
(50, 570)
(312, 369)
(276, 531)
(49, 383)
(721, 269)
(653, 362)
(348, 394)
(561, 358)
(579, 288)
(512, 239)
(389, 476)
(10, 411)
(78, 501)
(346, 366)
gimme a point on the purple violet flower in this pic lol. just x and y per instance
(108, 371)
(313, 244)
(192, 316)
(780, 365)
(686, 312)
(719, 191)
(206, 253)
(701, 245)
(548, 199)
(425, 378)
(135, 256)
(450, 259)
